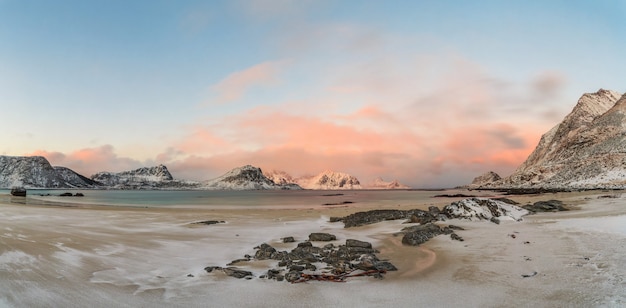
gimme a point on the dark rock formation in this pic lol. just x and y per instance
(420, 234)
(209, 222)
(374, 216)
(321, 237)
(546, 206)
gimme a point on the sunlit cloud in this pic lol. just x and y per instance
(237, 84)
(89, 161)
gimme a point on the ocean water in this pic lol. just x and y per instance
(283, 199)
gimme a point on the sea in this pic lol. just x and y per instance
(223, 199)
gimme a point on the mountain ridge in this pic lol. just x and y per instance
(586, 150)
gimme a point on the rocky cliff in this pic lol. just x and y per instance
(586, 150)
(36, 172)
(485, 179)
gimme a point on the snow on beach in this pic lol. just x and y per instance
(136, 257)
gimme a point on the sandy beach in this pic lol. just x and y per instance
(77, 256)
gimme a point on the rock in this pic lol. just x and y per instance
(66, 194)
(305, 244)
(507, 200)
(210, 269)
(274, 274)
(385, 266)
(454, 196)
(293, 276)
(546, 206)
(433, 210)
(264, 252)
(336, 219)
(374, 216)
(321, 237)
(357, 243)
(456, 237)
(208, 222)
(483, 209)
(235, 272)
(238, 261)
(288, 239)
(529, 275)
(453, 227)
(417, 235)
(79, 195)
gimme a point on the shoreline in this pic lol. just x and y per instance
(103, 250)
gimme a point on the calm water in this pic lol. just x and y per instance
(222, 199)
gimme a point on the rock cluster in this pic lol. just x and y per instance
(307, 262)
(471, 208)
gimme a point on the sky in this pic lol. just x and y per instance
(431, 93)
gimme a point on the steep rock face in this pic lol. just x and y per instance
(245, 178)
(329, 180)
(379, 183)
(586, 150)
(485, 179)
(74, 179)
(29, 172)
(142, 178)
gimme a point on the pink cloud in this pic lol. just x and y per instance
(89, 161)
(235, 85)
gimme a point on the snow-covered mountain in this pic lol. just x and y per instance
(279, 177)
(36, 172)
(379, 183)
(330, 180)
(157, 177)
(245, 178)
(74, 179)
(586, 150)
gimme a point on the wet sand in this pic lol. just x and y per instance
(98, 256)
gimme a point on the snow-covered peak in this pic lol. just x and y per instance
(36, 172)
(245, 178)
(380, 183)
(145, 178)
(330, 180)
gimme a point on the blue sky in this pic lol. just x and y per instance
(429, 92)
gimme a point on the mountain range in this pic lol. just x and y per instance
(36, 172)
(587, 150)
